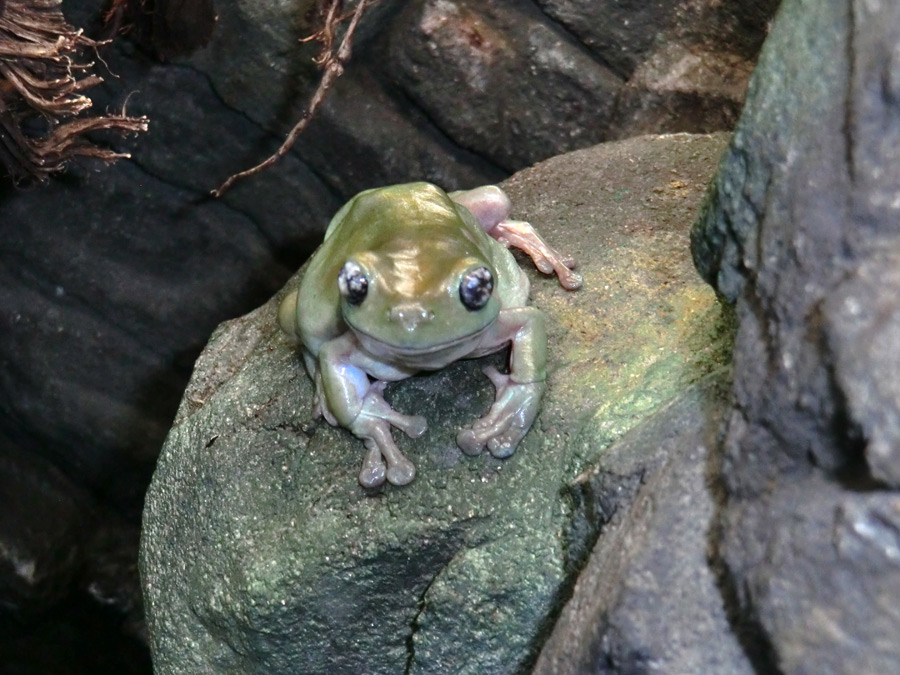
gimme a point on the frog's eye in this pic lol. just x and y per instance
(476, 287)
(352, 283)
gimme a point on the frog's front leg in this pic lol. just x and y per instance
(491, 207)
(518, 397)
(351, 400)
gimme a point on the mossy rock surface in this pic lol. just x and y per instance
(261, 552)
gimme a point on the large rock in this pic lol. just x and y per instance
(261, 552)
(511, 83)
(801, 231)
(625, 34)
(648, 599)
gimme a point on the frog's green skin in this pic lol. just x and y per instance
(415, 243)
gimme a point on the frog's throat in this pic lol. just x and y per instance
(421, 351)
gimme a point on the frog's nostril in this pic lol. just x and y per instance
(410, 316)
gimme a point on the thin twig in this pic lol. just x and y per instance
(333, 63)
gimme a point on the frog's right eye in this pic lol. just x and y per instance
(352, 283)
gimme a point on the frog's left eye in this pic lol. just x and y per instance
(476, 287)
(352, 283)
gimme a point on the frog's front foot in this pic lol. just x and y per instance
(509, 419)
(383, 457)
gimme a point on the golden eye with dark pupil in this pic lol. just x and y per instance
(352, 283)
(476, 287)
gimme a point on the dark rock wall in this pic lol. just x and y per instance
(801, 232)
(55, 538)
(111, 279)
(522, 89)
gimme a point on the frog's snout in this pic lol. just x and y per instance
(410, 316)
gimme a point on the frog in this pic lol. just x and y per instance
(410, 278)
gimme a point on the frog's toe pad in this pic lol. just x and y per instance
(401, 473)
(469, 442)
(373, 472)
(413, 425)
(508, 420)
(504, 445)
(501, 439)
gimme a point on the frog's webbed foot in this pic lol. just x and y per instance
(373, 425)
(509, 419)
(548, 260)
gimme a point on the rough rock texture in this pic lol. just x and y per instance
(864, 324)
(111, 281)
(261, 553)
(801, 231)
(625, 33)
(648, 599)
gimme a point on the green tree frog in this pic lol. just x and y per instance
(410, 278)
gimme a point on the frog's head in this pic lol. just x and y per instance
(401, 307)
(423, 285)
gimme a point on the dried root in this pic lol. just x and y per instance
(42, 82)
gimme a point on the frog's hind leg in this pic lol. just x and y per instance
(491, 208)
(548, 260)
(319, 408)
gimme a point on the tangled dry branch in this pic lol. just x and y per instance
(332, 59)
(42, 81)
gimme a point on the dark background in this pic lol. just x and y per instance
(112, 278)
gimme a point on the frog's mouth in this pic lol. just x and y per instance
(380, 346)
